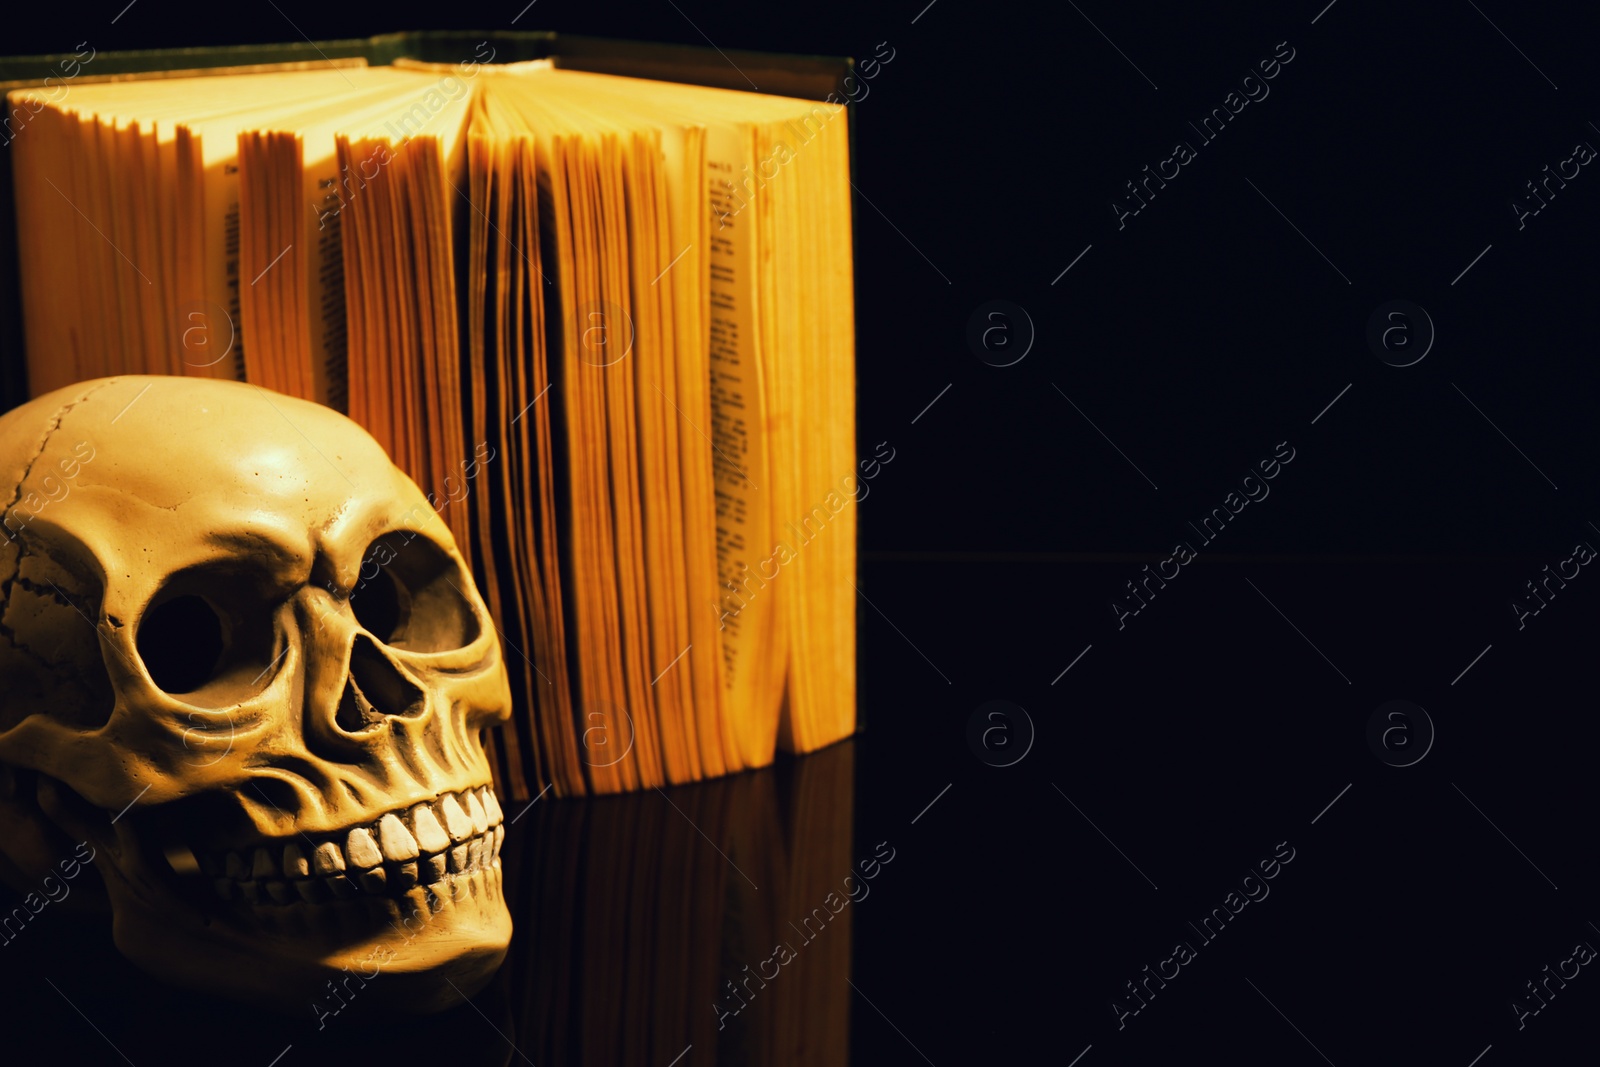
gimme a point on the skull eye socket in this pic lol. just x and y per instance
(208, 639)
(409, 596)
(180, 642)
(376, 603)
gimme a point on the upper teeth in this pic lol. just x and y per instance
(456, 834)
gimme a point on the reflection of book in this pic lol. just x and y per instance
(606, 323)
(640, 924)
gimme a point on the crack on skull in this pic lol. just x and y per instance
(59, 673)
(16, 538)
(49, 589)
(33, 461)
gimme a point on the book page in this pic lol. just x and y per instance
(746, 601)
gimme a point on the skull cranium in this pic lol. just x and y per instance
(242, 659)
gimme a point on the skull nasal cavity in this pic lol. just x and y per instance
(375, 690)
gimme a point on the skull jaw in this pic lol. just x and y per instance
(422, 952)
(405, 955)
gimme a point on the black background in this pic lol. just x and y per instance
(1225, 717)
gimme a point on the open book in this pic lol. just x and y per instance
(605, 323)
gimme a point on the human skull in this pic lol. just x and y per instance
(242, 661)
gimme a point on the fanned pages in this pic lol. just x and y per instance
(605, 323)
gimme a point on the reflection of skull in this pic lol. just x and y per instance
(241, 657)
